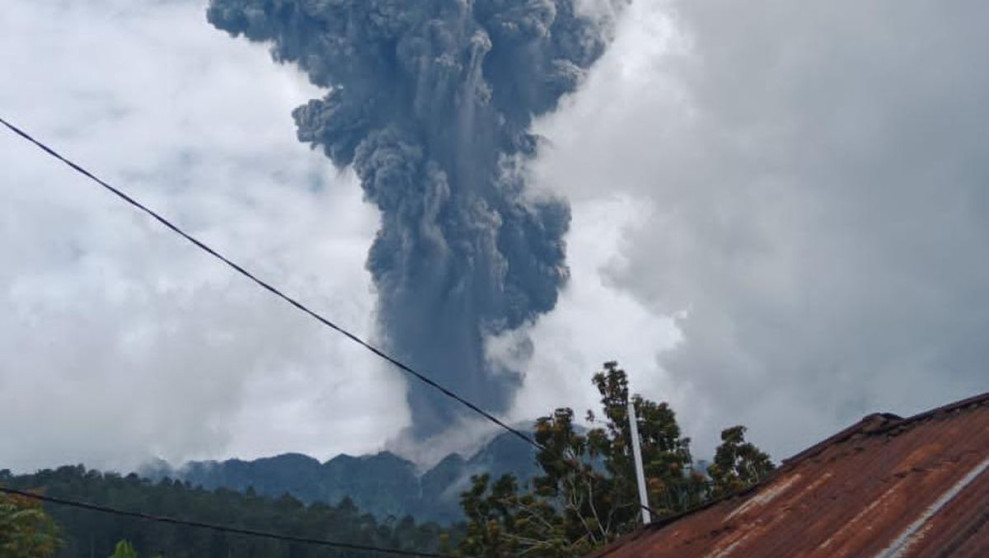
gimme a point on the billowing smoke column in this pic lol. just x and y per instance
(431, 102)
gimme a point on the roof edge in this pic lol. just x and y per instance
(968, 401)
(872, 424)
(879, 423)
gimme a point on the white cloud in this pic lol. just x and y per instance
(595, 322)
(124, 342)
(817, 175)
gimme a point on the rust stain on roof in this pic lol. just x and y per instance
(886, 487)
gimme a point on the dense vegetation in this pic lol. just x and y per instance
(586, 495)
(25, 529)
(582, 494)
(85, 533)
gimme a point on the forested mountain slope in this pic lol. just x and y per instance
(87, 533)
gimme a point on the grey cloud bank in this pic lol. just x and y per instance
(818, 177)
(431, 102)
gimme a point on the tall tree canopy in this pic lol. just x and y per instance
(737, 463)
(587, 494)
(26, 531)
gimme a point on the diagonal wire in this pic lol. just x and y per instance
(274, 290)
(215, 527)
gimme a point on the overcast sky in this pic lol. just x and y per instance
(781, 219)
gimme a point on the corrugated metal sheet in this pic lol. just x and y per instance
(886, 487)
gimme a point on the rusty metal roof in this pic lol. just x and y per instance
(885, 487)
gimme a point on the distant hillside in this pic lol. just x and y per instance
(383, 484)
(88, 534)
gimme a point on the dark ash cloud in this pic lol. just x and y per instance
(431, 102)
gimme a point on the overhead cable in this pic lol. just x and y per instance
(215, 527)
(274, 290)
(277, 292)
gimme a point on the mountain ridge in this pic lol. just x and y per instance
(383, 484)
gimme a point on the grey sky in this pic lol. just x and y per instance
(792, 196)
(818, 179)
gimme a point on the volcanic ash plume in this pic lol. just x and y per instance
(431, 102)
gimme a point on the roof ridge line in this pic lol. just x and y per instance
(890, 422)
(967, 402)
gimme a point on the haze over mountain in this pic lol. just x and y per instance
(383, 484)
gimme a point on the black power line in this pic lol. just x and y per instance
(220, 528)
(274, 290)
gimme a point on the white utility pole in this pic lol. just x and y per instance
(640, 475)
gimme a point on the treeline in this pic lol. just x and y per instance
(86, 533)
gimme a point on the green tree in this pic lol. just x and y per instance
(587, 494)
(124, 549)
(26, 531)
(737, 464)
(671, 483)
(87, 533)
